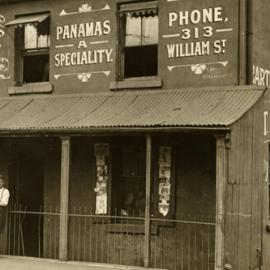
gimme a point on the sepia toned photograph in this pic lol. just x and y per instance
(134, 134)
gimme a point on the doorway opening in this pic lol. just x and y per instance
(26, 184)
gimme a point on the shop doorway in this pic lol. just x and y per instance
(31, 199)
(128, 180)
(26, 182)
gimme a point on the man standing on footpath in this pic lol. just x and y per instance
(4, 197)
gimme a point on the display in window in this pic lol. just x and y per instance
(164, 176)
(102, 177)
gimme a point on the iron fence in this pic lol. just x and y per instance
(32, 233)
(184, 244)
(175, 244)
(105, 239)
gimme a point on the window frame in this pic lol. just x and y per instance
(21, 52)
(122, 11)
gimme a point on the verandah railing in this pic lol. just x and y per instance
(184, 244)
(31, 233)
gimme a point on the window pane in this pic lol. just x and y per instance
(150, 30)
(133, 30)
(36, 68)
(36, 36)
(30, 36)
(43, 32)
(43, 41)
(140, 61)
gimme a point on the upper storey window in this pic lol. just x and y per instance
(32, 48)
(139, 39)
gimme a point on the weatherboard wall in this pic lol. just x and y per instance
(244, 191)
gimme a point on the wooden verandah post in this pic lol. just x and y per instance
(147, 229)
(221, 165)
(64, 198)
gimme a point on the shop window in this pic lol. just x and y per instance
(121, 180)
(32, 48)
(139, 39)
(128, 181)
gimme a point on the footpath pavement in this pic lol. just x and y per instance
(27, 263)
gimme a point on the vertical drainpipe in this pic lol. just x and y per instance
(243, 42)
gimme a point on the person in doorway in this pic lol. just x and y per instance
(128, 204)
(4, 198)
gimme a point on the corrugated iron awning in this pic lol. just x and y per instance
(37, 18)
(202, 107)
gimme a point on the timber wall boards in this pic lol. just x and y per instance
(244, 196)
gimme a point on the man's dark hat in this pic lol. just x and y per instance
(1, 176)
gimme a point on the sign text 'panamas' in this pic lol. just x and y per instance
(82, 51)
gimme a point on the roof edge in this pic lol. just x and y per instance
(143, 92)
(85, 131)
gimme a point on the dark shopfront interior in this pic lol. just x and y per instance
(33, 167)
(26, 165)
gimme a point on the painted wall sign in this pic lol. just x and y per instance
(260, 76)
(4, 62)
(197, 43)
(83, 41)
(200, 33)
(84, 8)
(2, 21)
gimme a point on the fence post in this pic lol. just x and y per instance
(147, 228)
(65, 160)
